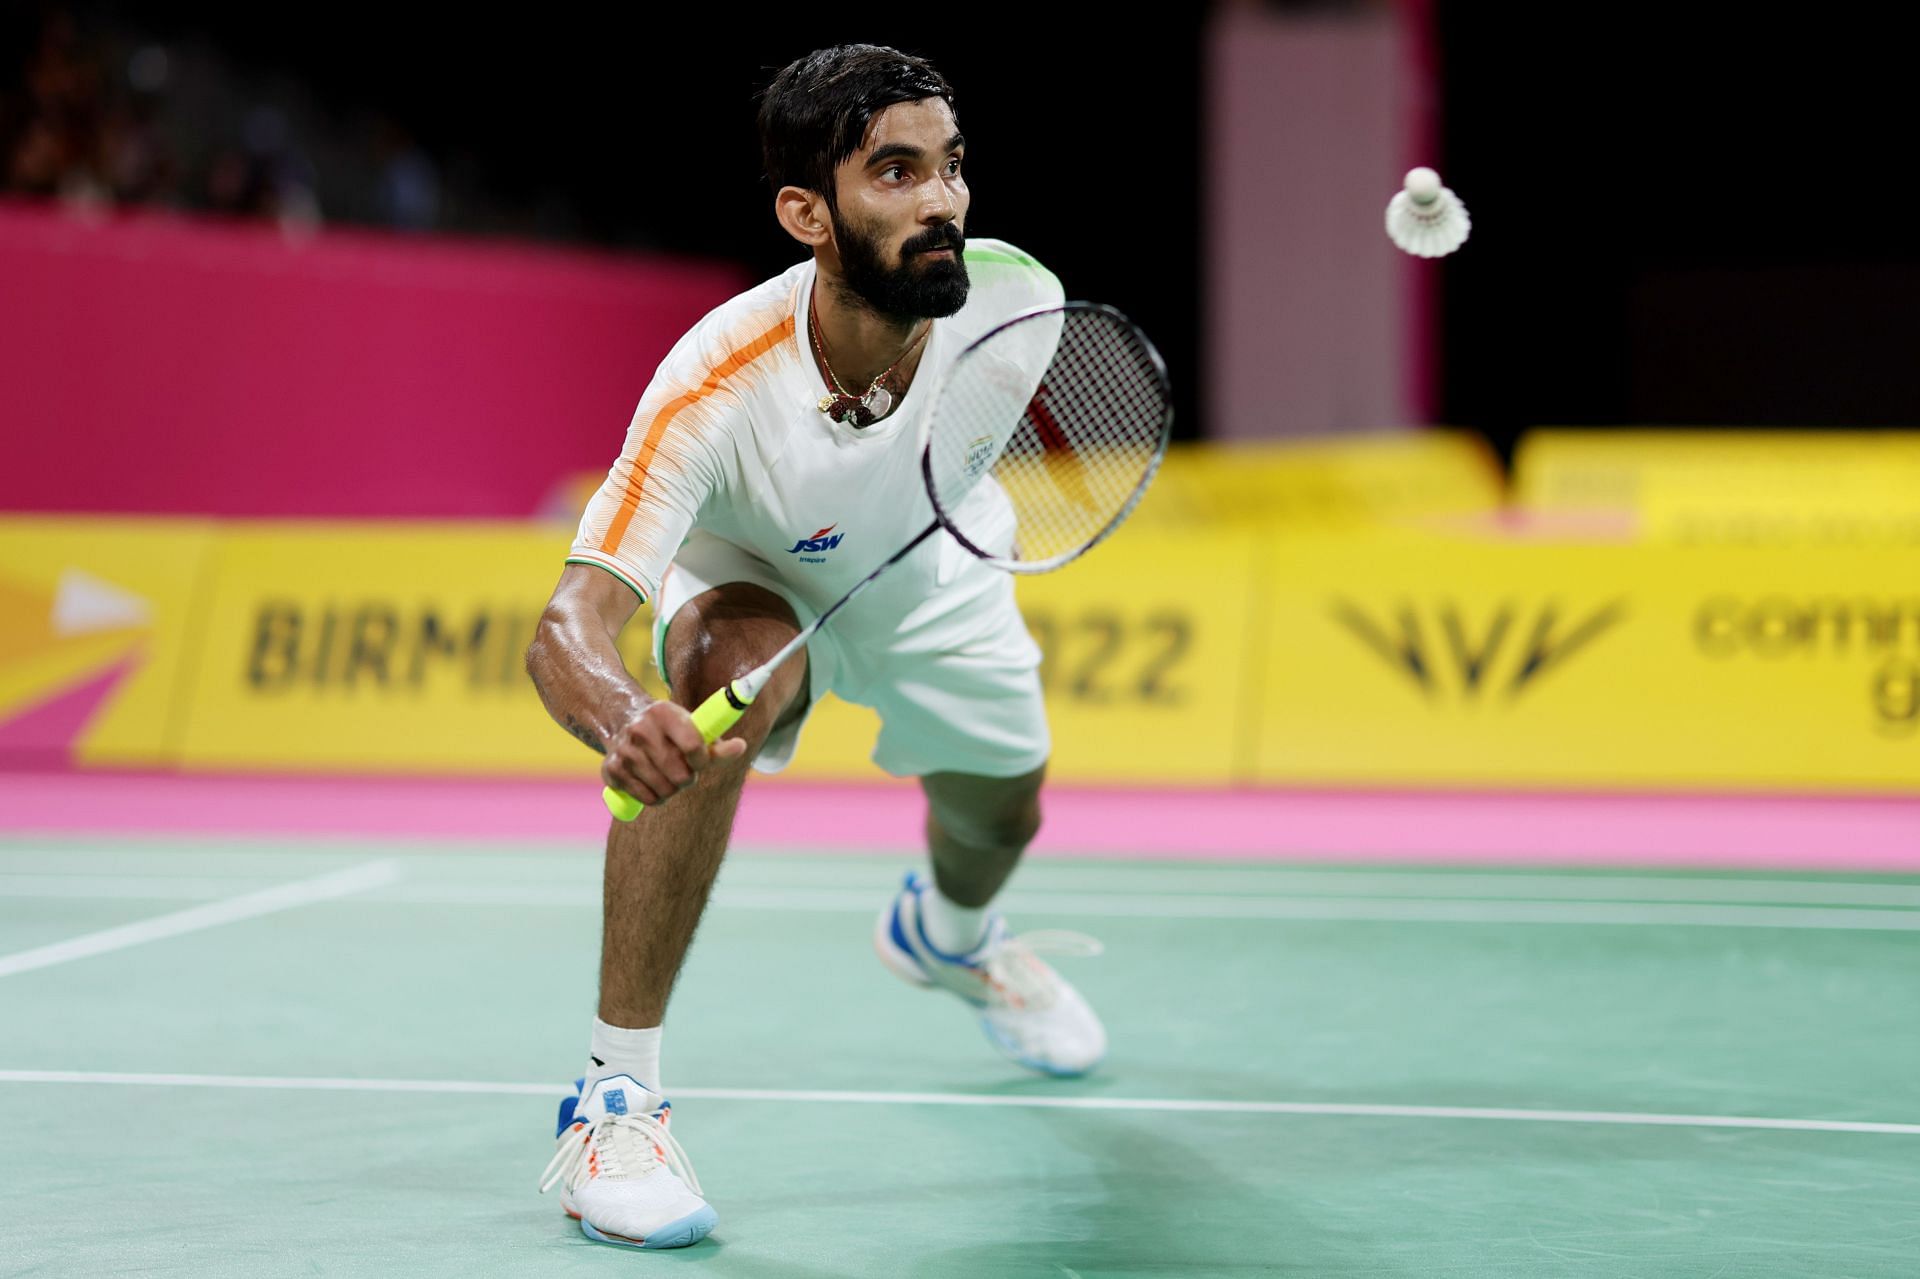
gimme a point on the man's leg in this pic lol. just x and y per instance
(625, 1179)
(977, 828)
(660, 867)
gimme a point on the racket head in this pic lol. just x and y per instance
(1045, 433)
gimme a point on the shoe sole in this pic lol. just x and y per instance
(690, 1229)
(1038, 1067)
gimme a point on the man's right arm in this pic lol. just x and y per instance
(652, 749)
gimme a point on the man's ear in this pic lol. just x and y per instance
(804, 215)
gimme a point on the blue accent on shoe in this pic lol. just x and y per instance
(899, 934)
(918, 887)
(616, 1100)
(690, 1229)
(570, 1108)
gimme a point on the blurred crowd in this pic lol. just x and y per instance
(96, 116)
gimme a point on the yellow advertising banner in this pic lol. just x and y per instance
(399, 647)
(1859, 505)
(1147, 656)
(1424, 658)
(96, 620)
(382, 647)
(1838, 488)
(1319, 483)
(1373, 656)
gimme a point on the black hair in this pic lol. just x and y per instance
(815, 112)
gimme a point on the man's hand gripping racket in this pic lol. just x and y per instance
(1041, 439)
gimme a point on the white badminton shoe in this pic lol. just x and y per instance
(620, 1172)
(1029, 1011)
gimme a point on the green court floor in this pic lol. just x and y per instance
(342, 1058)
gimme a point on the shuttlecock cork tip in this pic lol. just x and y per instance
(1423, 185)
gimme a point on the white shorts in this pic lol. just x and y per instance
(961, 695)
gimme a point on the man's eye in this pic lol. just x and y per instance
(893, 172)
(953, 166)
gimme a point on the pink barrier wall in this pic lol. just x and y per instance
(173, 365)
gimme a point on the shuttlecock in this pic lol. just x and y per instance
(1425, 218)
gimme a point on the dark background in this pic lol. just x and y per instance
(1681, 217)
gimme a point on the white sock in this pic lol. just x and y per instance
(619, 1051)
(953, 929)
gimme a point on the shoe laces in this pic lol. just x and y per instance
(625, 1146)
(1015, 969)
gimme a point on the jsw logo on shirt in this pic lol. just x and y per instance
(810, 548)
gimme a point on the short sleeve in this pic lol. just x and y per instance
(668, 469)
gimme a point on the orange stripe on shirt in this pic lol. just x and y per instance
(637, 480)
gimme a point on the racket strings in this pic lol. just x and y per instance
(1086, 435)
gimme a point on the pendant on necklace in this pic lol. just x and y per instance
(826, 403)
(879, 402)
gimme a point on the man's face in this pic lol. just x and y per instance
(902, 210)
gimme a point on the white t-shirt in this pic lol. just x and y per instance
(729, 441)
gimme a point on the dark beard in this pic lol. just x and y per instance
(917, 289)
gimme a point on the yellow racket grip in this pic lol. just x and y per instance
(712, 717)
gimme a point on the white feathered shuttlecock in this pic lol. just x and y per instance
(1425, 218)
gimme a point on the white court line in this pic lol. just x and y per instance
(110, 887)
(354, 879)
(1202, 894)
(1141, 1105)
(1148, 905)
(1054, 876)
(1194, 906)
(1372, 909)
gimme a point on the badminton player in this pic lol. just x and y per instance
(772, 462)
